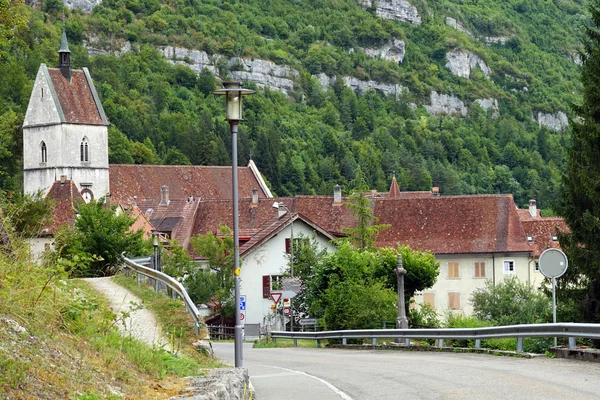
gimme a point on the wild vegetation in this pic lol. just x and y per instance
(308, 143)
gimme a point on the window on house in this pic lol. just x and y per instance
(298, 243)
(453, 270)
(429, 298)
(479, 270)
(454, 300)
(83, 150)
(509, 267)
(537, 266)
(44, 152)
(529, 238)
(271, 283)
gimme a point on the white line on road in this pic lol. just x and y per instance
(329, 385)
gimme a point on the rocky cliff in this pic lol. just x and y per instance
(461, 63)
(393, 51)
(399, 10)
(556, 122)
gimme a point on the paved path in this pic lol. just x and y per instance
(333, 374)
(141, 323)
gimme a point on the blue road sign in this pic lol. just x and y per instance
(242, 303)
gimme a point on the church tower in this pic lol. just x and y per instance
(65, 132)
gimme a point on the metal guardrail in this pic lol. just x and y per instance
(569, 330)
(176, 286)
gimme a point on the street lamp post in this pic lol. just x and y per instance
(402, 321)
(233, 105)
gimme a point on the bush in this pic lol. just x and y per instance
(462, 321)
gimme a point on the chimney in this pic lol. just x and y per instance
(164, 196)
(254, 197)
(435, 191)
(135, 201)
(532, 209)
(108, 200)
(337, 195)
(281, 210)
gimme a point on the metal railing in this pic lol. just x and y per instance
(221, 332)
(568, 330)
(176, 286)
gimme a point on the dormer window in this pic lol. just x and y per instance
(554, 238)
(44, 152)
(529, 238)
(83, 150)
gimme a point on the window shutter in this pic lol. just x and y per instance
(288, 246)
(266, 286)
(429, 298)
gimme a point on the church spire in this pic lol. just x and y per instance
(64, 57)
(394, 188)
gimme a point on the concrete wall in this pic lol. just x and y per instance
(269, 259)
(466, 283)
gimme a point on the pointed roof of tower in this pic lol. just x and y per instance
(394, 188)
(64, 44)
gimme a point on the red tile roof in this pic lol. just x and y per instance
(76, 98)
(201, 182)
(541, 231)
(181, 212)
(65, 196)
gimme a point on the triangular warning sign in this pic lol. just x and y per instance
(275, 297)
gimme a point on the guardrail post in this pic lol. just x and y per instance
(173, 294)
(274, 339)
(374, 341)
(344, 341)
(295, 342)
(197, 329)
(477, 343)
(139, 279)
(318, 342)
(407, 342)
(440, 343)
(519, 345)
(572, 342)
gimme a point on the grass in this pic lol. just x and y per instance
(59, 339)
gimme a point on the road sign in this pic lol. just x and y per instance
(553, 263)
(291, 284)
(243, 317)
(243, 303)
(275, 296)
(286, 302)
(308, 321)
(286, 311)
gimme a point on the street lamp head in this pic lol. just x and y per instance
(155, 238)
(233, 100)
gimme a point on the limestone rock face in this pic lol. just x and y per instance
(195, 59)
(263, 73)
(445, 104)
(489, 104)
(359, 85)
(556, 122)
(399, 10)
(84, 5)
(453, 23)
(460, 63)
(495, 39)
(392, 51)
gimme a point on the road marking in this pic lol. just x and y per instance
(329, 385)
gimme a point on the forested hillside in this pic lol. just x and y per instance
(520, 56)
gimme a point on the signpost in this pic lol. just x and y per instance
(243, 309)
(553, 264)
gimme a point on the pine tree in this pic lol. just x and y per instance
(579, 202)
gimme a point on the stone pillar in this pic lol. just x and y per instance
(402, 321)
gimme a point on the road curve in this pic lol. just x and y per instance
(326, 374)
(140, 322)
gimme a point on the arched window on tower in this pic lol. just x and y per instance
(44, 152)
(83, 150)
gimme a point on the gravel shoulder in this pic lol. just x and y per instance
(140, 323)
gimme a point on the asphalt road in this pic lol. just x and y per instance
(324, 374)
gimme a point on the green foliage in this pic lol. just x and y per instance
(215, 283)
(423, 315)
(511, 302)
(579, 202)
(94, 246)
(344, 283)
(27, 214)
